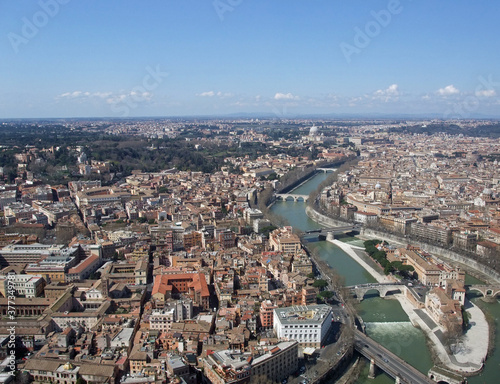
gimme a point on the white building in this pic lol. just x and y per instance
(308, 324)
(24, 285)
(162, 320)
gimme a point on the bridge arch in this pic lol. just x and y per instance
(486, 291)
(383, 290)
(370, 292)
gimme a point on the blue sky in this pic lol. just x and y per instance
(93, 58)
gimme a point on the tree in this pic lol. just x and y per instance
(320, 283)
(465, 318)
(388, 268)
(326, 294)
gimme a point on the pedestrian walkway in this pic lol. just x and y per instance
(350, 251)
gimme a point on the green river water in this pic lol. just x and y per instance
(386, 322)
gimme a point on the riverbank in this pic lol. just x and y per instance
(350, 250)
(469, 354)
(484, 271)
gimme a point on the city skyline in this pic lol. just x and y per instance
(217, 58)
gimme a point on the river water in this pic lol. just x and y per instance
(386, 322)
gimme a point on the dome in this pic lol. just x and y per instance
(313, 131)
(378, 186)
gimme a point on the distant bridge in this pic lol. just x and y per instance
(383, 289)
(288, 196)
(326, 170)
(335, 230)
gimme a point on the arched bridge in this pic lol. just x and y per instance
(288, 196)
(383, 289)
(488, 291)
(335, 230)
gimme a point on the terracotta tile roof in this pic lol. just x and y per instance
(196, 281)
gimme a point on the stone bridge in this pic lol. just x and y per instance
(288, 196)
(444, 376)
(488, 291)
(383, 289)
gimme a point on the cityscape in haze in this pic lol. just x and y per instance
(239, 192)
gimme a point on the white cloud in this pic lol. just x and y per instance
(391, 93)
(70, 95)
(285, 96)
(486, 93)
(83, 95)
(448, 90)
(102, 95)
(206, 94)
(392, 90)
(134, 96)
(222, 95)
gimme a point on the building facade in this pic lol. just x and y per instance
(308, 324)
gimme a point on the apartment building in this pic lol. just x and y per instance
(274, 363)
(283, 240)
(24, 285)
(267, 314)
(162, 319)
(427, 272)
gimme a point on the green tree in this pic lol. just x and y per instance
(320, 283)
(326, 294)
(388, 268)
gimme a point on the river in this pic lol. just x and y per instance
(386, 322)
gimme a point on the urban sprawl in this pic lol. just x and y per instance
(112, 272)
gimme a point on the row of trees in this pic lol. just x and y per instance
(380, 257)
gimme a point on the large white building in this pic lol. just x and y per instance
(272, 363)
(162, 319)
(23, 285)
(308, 324)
